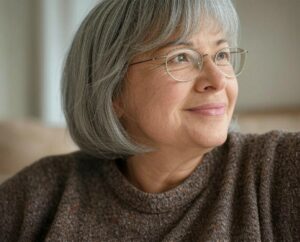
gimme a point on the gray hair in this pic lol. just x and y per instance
(109, 37)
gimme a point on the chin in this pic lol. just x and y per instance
(212, 139)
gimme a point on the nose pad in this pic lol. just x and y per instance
(211, 77)
(200, 63)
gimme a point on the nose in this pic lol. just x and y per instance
(210, 78)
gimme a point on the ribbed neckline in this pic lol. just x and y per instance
(177, 197)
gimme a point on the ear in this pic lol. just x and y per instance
(118, 107)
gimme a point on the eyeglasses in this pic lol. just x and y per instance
(184, 64)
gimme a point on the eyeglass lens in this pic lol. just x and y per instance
(185, 64)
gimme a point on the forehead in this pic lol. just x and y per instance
(201, 40)
(208, 38)
(208, 35)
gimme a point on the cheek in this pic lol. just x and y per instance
(154, 95)
(159, 104)
(232, 93)
(154, 108)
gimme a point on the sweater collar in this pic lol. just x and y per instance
(177, 197)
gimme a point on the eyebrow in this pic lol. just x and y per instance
(221, 41)
(189, 44)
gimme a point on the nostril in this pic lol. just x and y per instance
(209, 88)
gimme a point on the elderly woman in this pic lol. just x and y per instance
(149, 89)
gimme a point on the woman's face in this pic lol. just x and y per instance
(159, 111)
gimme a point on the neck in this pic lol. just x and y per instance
(158, 172)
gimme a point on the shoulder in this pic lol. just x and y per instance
(51, 169)
(273, 144)
(277, 151)
(30, 198)
(49, 175)
(275, 154)
(274, 158)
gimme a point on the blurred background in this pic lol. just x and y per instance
(34, 38)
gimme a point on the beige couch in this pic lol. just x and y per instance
(260, 122)
(22, 142)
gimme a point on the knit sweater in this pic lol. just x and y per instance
(248, 189)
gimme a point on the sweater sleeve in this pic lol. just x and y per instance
(12, 203)
(28, 201)
(285, 197)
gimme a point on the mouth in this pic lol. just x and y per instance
(211, 109)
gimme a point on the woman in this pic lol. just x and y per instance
(149, 89)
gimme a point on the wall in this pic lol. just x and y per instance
(16, 55)
(34, 38)
(270, 30)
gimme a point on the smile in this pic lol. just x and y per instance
(209, 109)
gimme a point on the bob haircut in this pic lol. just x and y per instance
(109, 37)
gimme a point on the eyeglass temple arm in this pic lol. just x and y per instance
(138, 62)
(152, 59)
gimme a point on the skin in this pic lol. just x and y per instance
(154, 109)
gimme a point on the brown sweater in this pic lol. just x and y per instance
(246, 190)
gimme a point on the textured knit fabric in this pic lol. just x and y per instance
(245, 190)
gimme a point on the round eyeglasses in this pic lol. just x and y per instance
(184, 64)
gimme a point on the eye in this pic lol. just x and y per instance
(223, 56)
(180, 58)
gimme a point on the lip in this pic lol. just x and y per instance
(210, 109)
